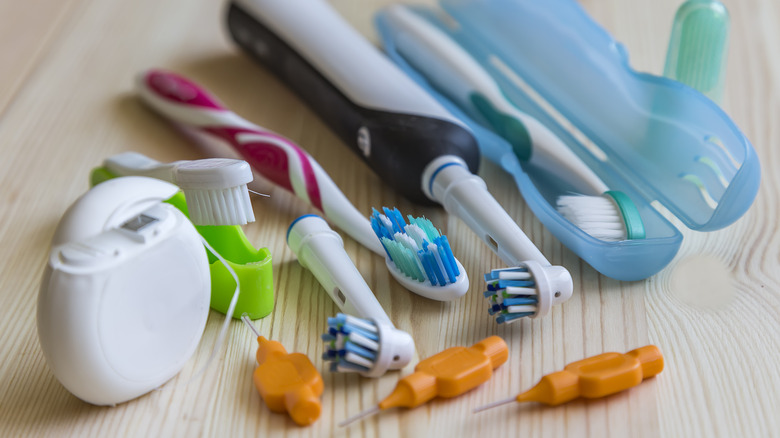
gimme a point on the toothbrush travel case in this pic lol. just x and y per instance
(665, 145)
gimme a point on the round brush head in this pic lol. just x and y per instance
(367, 347)
(528, 290)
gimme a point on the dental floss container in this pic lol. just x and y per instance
(125, 294)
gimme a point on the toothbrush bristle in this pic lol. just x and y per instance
(351, 344)
(512, 294)
(230, 206)
(426, 226)
(598, 216)
(418, 249)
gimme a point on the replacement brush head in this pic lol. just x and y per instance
(419, 256)
(529, 290)
(368, 347)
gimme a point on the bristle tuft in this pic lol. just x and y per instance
(351, 344)
(598, 216)
(230, 206)
(418, 249)
(512, 294)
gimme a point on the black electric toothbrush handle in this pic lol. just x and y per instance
(381, 114)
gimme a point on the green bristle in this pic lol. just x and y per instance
(404, 258)
(426, 226)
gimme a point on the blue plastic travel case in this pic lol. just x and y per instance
(655, 139)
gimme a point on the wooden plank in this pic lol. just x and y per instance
(26, 31)
(714, 312)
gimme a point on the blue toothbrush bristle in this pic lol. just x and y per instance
(417, 249)
(511, 293)
(351, 344)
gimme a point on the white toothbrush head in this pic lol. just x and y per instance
(215, 188)
(367, 347)
(419, 256)
(610, 217)
(528, 290)
(216, 191)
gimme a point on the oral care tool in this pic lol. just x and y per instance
(404, 134)
(276, 158)
(447, 374)
(594, 377)
(369, 344)
(455, 74)
(287, 382)
(215, 188)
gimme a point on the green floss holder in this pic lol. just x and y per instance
(252, 266)
(698, 47)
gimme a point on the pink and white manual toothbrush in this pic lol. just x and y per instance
(276, 158)
(284, 163)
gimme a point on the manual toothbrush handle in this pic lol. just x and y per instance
(276, 158)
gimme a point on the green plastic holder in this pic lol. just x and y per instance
(252, 266)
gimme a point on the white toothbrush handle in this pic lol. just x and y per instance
(321, 250)
(465, 195)
(273, 156)
(550, 153)
(455, 73)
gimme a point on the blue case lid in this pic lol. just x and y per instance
(653, 138)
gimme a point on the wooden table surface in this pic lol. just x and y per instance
(66, 103)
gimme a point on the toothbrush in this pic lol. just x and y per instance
(419, 257)
(276, 158)
(215, 188)
(366, 343)
(600, 212)
(281, 161)
(384, 117)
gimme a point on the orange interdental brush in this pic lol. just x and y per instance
(594, 377)
(287, 382)
(450, 373)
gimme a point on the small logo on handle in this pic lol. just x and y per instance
(364, 141)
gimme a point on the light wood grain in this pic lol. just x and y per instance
(65, 104)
